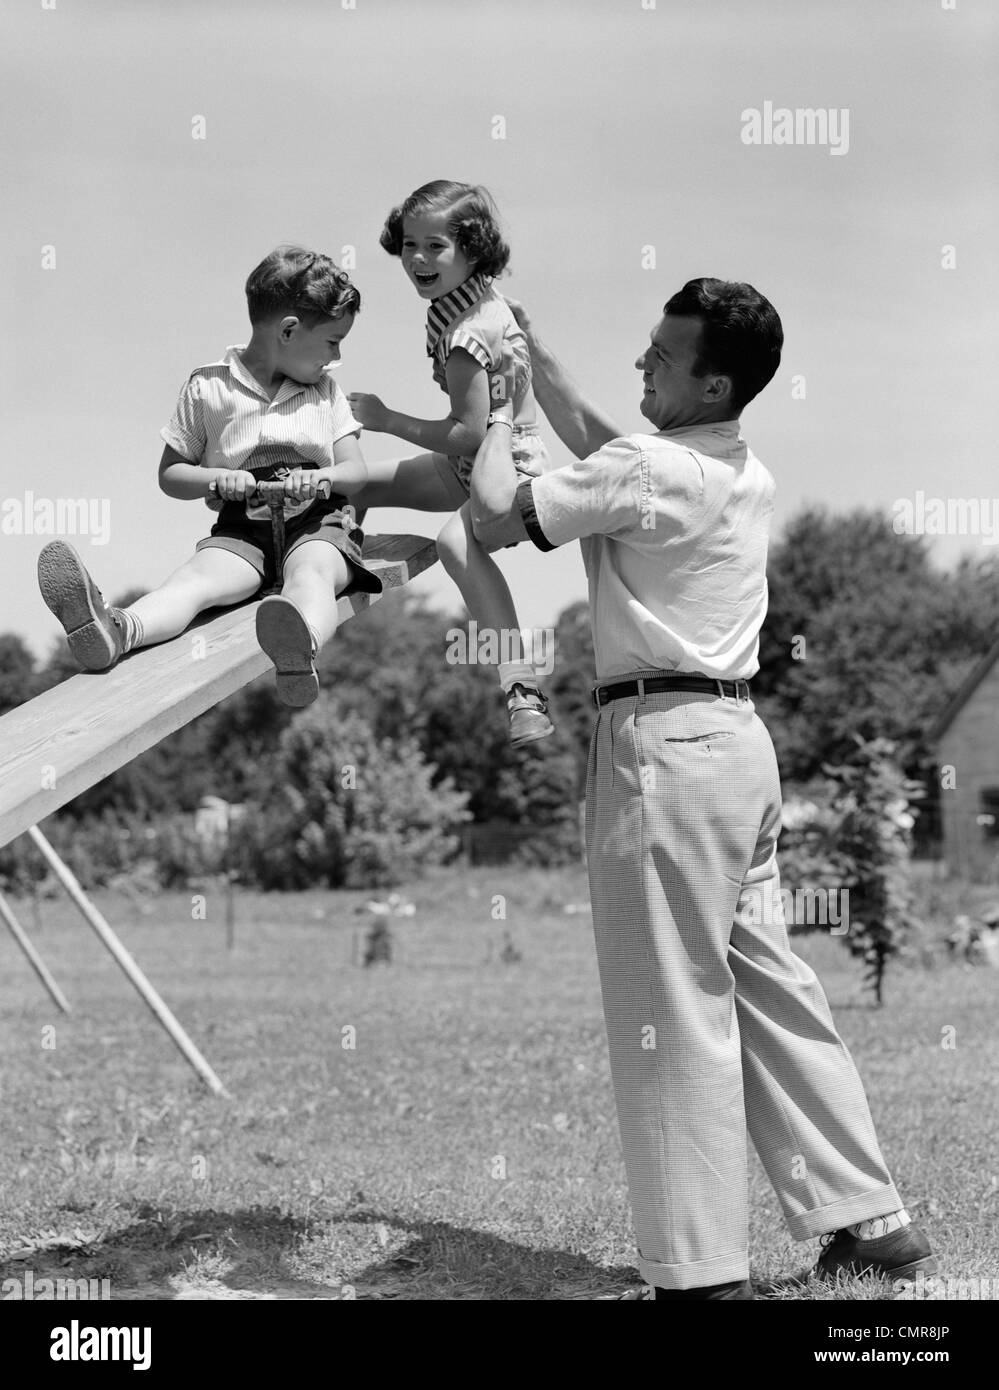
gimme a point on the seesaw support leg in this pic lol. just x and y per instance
(37, 964)
(128, 965)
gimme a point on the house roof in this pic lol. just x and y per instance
(964, 692)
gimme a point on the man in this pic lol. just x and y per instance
(713, 1023)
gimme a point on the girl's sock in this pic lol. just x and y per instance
(513, 673)
(132, 634)
(879, 1225)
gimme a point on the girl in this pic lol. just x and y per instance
(446, 235)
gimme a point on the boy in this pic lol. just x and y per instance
(270, 410)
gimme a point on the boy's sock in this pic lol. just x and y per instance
(879, 1225)
(513, 673)
(132, 633)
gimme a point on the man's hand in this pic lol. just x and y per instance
(520, 314)
(369, 410)
(580, 424)
(234, 484)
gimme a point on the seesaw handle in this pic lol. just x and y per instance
(268, 490)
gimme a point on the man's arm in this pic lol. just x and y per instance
(580, 424)
(496, 519)
(603, 494)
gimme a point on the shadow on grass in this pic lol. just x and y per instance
(258, 1252)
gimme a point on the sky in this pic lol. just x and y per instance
(621, 171)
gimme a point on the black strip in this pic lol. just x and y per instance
(654, 685)
(529, 515)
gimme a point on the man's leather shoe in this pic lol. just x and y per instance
(898, 1255)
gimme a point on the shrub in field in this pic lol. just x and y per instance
(96, 849)
(540, 791)
(347, 808)
(183, 854)
(22, 869)
(860, 841)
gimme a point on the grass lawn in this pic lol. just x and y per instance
(465, 1147)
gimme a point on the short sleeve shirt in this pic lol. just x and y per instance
(478, 319)
(225, 419)
(674, 529)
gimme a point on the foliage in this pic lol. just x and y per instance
(861, 842)
(347, 808)
(887, 638)
(572, 683)
(183, 855)
(96, 850)
(18, 681)
(537, 788)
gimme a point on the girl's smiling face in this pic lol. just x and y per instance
(430, 256)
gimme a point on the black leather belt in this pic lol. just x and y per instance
(623, 690)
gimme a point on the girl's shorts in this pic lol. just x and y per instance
(325, 520)
(530, 458)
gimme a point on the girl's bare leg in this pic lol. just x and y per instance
(488, 599)
(409, 482)
(479, 579)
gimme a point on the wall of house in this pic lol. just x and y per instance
(971, 746)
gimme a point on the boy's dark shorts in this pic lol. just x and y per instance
(325, 520)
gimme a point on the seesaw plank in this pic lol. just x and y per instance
(67, 739)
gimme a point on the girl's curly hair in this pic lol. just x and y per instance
(472, 220)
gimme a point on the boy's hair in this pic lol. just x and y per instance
(292, 280)
(473, 222)
(741, 333)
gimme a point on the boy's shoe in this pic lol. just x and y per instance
(285, 636)
(528, 710)
(739, 1291)
(898, 1255)
(94, 635)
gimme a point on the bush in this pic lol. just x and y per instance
(182, 854)
(349, 809)
(539, 790)
(856, 834)
(96, 850)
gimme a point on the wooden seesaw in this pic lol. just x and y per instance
(65, 740)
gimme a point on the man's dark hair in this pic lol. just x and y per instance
(741, 333)
(292, 280)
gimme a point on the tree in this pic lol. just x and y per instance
(538, 789)
(384, 665)
(571, 682)
(863, 636)
(348, 807)
(18, 681)
(860, 840)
